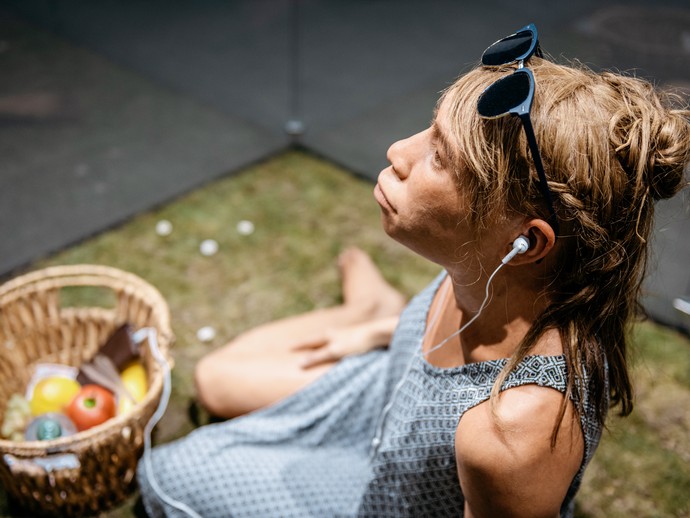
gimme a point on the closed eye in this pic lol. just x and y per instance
(438, 162)
(442, 151)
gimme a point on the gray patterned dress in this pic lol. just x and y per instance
(373, 437)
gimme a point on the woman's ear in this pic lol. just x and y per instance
(541, 241)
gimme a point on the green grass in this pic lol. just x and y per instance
(305, 211)
(642, 467)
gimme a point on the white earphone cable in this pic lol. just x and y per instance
(518, 248)
(139, 336)
(476, 315)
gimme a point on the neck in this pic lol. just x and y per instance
(507, 315)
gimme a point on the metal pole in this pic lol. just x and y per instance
(294, 126)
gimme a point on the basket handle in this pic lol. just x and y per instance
(123, 284)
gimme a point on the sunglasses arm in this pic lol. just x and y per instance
(536, 157)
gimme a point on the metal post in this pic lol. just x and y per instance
(294, 126)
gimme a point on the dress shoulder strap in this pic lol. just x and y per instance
(545, 371)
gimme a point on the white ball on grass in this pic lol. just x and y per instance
(164, 228)
(206, 334)
(208, 247)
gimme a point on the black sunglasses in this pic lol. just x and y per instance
(513, 95)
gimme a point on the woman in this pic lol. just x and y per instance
(491, 397)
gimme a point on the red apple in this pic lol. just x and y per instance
(92, 406)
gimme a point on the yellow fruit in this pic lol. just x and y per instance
(133, 377)
(53, 394)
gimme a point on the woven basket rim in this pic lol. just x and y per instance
(85, 275)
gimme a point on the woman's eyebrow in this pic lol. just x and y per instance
(440, 139)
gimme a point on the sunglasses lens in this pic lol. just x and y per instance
(507, 50)
(504, 95)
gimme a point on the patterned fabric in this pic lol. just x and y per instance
(313, 454)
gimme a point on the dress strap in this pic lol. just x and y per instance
(545, 371)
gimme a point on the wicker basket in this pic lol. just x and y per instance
(94, 469)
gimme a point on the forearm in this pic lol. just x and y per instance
(380, 331)
(355, 339)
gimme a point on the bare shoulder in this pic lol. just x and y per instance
(506, 462)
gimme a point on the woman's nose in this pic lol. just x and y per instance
(400, 156)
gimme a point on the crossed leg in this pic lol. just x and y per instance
(263, 365)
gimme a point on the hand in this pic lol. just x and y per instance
(338, 343)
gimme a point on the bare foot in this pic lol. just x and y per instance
(363, 284)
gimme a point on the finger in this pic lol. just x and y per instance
(318, 357)
(309, 343)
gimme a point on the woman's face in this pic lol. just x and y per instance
(422, 204)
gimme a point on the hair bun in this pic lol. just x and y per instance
(670, 156)
(651, 140)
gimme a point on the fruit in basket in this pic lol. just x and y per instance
(17, 416)
(53, 394)
(133, 378)
(92, 406)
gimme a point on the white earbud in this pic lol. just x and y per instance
(520, 246)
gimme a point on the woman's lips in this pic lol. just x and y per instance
(381, 198)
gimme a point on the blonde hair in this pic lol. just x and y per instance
(611, 145)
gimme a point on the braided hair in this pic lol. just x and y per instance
(611, 146)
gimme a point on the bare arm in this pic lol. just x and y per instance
(354, 339)
(507, 466)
